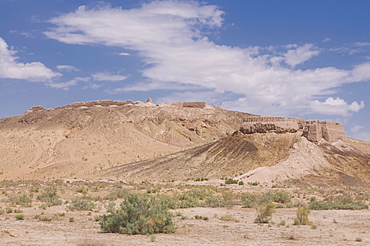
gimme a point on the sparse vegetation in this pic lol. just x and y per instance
(302, 216)
(265, 213)
(81, 204)
(337, 202)
(50, 197)
(139, 214)
(19, 217)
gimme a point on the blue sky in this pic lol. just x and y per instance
(308, 59)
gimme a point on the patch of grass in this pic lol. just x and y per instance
(337, 202)
(81, 204)
(22, 200)
(252, 200)
(287, 236)
(229, 217)
(43, 218)
(50, 197)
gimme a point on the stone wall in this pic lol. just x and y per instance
(194, 104)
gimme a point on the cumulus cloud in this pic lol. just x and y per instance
(67, 68)
(10, 68)
(336, 106)
(170, 37)
(108, 77)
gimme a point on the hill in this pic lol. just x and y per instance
(137, 141)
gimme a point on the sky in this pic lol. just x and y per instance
(307, 59)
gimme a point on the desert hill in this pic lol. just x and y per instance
(180, 141)
(82, 138)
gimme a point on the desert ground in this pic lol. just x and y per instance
(199, 225)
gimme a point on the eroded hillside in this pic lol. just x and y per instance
(79, 140)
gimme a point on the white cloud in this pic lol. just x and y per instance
(67, 68)
(362, 44)
(11, 69)
(300, 54)
(67, 85)
(326, 40)
(336, 106)
(124, 54)
(108, 77)
(170, 38)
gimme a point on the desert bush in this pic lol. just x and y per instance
(250, 200)
(265, 213)
(192, 198)
(337, 202)
(214, 202)
(229, 217)
(281, 197)
(302, 216)
(22, 200)
(231, 181)
(138, 214)
(117, 193)
(81, 204)
(19, 217)
(50, 197)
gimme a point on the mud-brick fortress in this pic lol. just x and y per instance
(313, 130)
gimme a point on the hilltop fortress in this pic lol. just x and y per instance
(313, 130)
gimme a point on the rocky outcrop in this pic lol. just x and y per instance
(314, 131)
(264, 124)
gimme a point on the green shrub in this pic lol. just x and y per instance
(23, 200)
(265, 213)
(118, 193)
(138, 214)
(302, 216)
(231, 181)
(337, 202)
(50, 197)
(19, 217)
(82, 204)
(250, 200)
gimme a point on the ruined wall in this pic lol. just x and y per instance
(314, 131)
(194, 104)
(263, 124)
